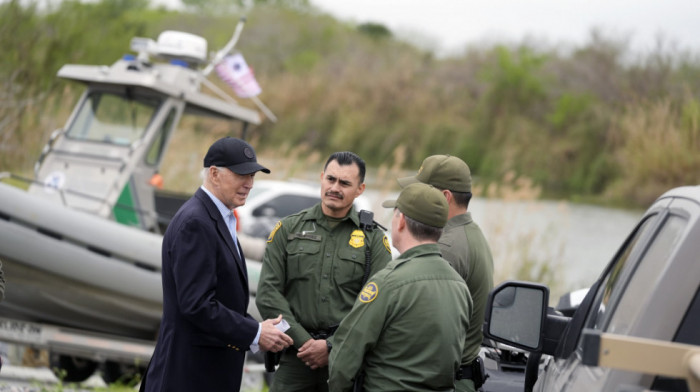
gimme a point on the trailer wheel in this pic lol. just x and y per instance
(72, 369)
(120, 372)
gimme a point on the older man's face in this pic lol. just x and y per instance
(232, 188)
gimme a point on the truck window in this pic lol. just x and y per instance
(610, 285)
(647, 272)
(622, 299)
(284, 205)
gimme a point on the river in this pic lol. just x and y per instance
(576, 240)
(562, 244)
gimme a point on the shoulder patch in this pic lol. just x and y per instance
(385, 241)
(272, 233)
(357, 239)
(369, 293)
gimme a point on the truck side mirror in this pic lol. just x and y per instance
(516, 313)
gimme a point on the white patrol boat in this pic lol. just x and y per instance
(81, 243)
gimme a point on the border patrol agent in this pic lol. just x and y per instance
(407, 329)
(464, 246)
(315, 264)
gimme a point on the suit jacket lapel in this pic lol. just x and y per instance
(222, 228)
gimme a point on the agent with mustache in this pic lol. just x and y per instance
(314, 268)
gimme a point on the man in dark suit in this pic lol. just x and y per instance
(205, 330)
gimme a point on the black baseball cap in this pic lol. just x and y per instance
(235, 154)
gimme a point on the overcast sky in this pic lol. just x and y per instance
(451, 24)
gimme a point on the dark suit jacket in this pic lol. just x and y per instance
(205, 329)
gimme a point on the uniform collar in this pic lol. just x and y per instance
(460, 220)
(316, 213)
(421, 250)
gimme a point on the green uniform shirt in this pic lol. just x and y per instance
(312, 273)
(407, 328)
(464, 246)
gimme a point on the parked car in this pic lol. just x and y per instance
(271, 200)
(638, 326)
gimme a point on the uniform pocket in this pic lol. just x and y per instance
(349, 268)
(302, 256)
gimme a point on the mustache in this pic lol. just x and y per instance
(334, 194)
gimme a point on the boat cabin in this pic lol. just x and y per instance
(105, 158)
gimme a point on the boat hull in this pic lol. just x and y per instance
(71, 268)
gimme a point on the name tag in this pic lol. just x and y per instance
(312, 237)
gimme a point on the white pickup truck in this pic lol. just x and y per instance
(637, 328)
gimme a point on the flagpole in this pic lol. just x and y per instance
(219, 91)
(265, 109)
(226, 49)
(219, 57)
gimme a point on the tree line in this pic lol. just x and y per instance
(595, 122)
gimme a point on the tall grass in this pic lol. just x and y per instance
(574, 120)
(658, 148)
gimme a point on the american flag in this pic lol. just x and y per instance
(234, 71)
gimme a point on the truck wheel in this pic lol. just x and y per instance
(72, 369)
(120, 372)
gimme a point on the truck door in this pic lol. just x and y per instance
(639, 296)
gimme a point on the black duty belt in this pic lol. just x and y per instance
(322, 333)
(474, 371)
(465, 373)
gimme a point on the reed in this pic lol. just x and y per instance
(658, 143)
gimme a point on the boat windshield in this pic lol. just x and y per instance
(113, 118)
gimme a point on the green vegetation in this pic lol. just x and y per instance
(595, 123)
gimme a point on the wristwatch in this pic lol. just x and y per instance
(329, 345)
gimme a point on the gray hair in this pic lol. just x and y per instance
(203, 175)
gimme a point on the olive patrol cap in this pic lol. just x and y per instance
(235, 154)
(421, 202)
(444, 172)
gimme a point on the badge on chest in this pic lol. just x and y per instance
(357, 239)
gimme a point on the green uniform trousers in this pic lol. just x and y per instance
(293, 375)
